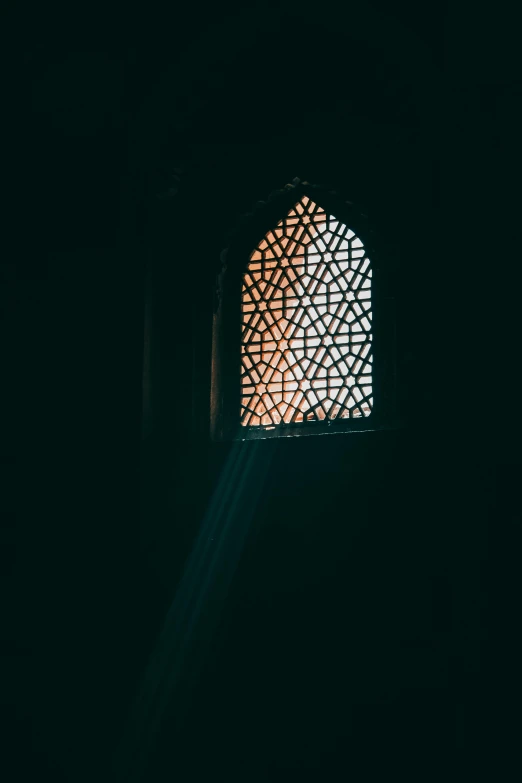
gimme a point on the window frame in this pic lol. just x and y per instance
(227, 322)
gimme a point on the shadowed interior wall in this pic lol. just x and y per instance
(372, 599)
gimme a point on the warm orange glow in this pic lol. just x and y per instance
(306, 334)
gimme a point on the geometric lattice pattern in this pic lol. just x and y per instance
(306, 331)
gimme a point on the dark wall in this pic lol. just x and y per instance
(369, 622)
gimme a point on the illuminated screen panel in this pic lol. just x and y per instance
(306, 348)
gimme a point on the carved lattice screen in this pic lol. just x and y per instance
(306, 332)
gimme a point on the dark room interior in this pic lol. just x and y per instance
(186, 606)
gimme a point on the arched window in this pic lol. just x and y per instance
(306, 334)
(298, 349)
